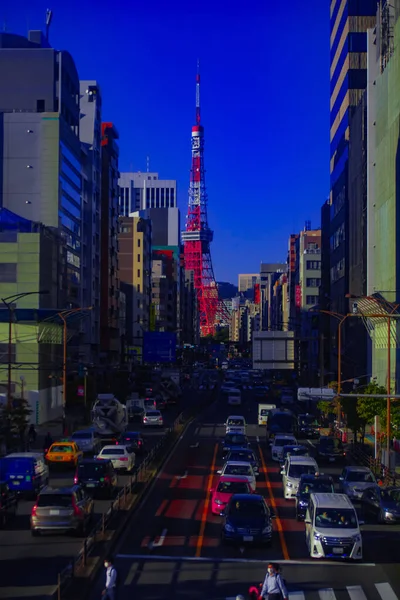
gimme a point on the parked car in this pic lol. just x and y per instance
(62, 509)
(97, 476)
(120, 457)
(247, 519)
(8, 503)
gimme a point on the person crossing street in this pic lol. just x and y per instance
(274, 587)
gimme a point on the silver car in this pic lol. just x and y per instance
(355, 480)
(62, 509)
(87, 440)
(153, 418)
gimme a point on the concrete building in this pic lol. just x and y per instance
(280, 304)
(90, 136)
(269, 273)
(140, 191)
(135, 256)
(248, 281)
(40, 151)
(109, 267)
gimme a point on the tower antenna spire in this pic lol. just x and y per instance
(198, 93)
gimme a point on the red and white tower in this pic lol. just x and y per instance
(198, 236)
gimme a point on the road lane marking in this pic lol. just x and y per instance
(296, 596)
(160, 541)
(195, 445)
(184, 476)
(131, 574)
(356, 592)
(203, 523)
(160, 557)
(273, 504)
(385, 591)
(161, 508)
(327, 594)
(258, 439)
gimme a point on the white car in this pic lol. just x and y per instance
(153, 418)
(240, 470)
(279, 442)
(120, 457)
(235, 424)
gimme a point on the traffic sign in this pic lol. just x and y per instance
(159, 346)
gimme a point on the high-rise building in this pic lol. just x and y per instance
(90, 136)
(247, 281)
(269, 273)
(40, 150)
(109, 267)
(140, 191)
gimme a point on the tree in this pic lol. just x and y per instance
(368, 408)
(16, 419)
(354, 421)
(325, 407)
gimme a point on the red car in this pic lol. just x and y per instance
(227, 486)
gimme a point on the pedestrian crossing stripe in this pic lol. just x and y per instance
(355, 592)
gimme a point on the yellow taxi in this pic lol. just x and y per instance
(64, 453)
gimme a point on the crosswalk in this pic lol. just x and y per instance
(354, 592)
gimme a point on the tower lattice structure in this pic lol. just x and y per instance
(198, 236)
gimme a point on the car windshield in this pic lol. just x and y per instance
(280, 442)
(360, 477)
(247, 509)
(245, 456)
(82, 435)
(112, 451)
(238, 470)
(331, 443)
(264, 412)
(233, 487)
(60, 448)
(316, 487)
(392, 496)
(236, 422)
(295, 450)
(236, 439)
(62, 500)
(297, 471)
(333, 518)
(91, 469)
(307, 420)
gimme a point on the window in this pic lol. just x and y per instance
(138, 272)
(313, 282)
(311, 299)
(314, 265)
(126, 229)
(338, 237)
(4, 353)
(138, 288)
(138, 304)
(8, 237)
(138, 257)
(8, 272)
(167, 197)
(312, 246)
(138, 243)
(337, 272)
(40, 106)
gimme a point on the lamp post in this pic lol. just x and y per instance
(9, 304)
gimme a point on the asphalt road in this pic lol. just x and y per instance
(29, 566)
(173, 547)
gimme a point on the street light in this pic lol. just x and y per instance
(9, 304)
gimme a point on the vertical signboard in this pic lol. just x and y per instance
(298, 296)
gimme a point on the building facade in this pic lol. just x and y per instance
(247, 281)
(141, 191)
(269, 274)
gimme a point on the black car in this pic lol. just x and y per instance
(97, 476)
(133, 440)
(260, 393)
(330, 449)
(8, 503)
(247, 519)
(294, 451)
(307, 427)
(311, 484)
(234, 439)
(382, 504)
(243, 455)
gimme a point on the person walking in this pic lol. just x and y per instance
(274, 587)
(110, 591)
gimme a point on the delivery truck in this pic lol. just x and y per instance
(263, 412)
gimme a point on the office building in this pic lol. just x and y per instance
(269, 273)
(280, 304)
(109, 267)
(135, 255)
(90, 137)
(247, 281)
(40, 174)
(140, 191)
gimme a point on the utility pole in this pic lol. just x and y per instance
(321, 361)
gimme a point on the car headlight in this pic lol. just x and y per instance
(267, 529)
(218, 502)
(317, 536)
(229, 528)
(302, 503)
(289, 485)
(357, 538)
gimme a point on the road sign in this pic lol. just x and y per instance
(159, 346)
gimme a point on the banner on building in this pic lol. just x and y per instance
(298, 296)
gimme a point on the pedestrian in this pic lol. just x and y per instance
(274, 587)
(110, 591)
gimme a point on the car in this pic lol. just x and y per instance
(278, 444)
(307, 427)
(332, 527)
(8, 503)
(235, 424)
(240, 469)
(97, 476)
(224, 490)
(382, 504)
(120, 457)
(133, 440)
(234, 440)
(243, 455)
(153, 418)
(87, 440)
(330, 449)
(294, 451)
(64, 453)
(355, 480)
(311, 484)
(62, 509)
(247, 520)
(260, 393)
(294, 468)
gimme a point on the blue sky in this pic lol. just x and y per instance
(265, 104)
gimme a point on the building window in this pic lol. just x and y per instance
(313, 265)
(4, 353)
(138, 304)
(167, 196)
(172, 197)
(162, 198)
(337, 272)
(126, 229)
(313, 282)
(8, 272)
(40, 106)
(147, 193)
(153, 195)
(138, 272)
(338, 237)
(312, 246)
(138, 243)
(138, 288)
(138, 257)
(311, 299)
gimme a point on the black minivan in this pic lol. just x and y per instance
(97, 477)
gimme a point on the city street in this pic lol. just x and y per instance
(174, 535)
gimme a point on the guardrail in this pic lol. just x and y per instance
(382, 473)
(121, 502)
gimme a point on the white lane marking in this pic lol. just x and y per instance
(160, 541)
(258, 439)
(296, 596)
(182, 476)
(131, 574)
(195, 445)
(327, 594)
(240, 560)
(356, 592)
(386, 591)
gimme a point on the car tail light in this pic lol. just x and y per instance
(34, 510)
(145, 420)
(107, 479)
(139, 442)
(124, 458)
(116, 443)
(77, 511)
(75, 480)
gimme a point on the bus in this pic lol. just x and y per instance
(280, 421)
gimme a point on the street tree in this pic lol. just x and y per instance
(368, 408)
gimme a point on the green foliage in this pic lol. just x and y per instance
(368, 408)
(333, 385)
(350, 408)
(325, 407)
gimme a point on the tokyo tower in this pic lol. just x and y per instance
(198, 236)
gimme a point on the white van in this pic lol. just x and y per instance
(235, 424)
(234, 397)
(332, 527)
(293, 469)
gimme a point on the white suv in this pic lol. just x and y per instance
(332, 527)
(294, 468)
(279, 442)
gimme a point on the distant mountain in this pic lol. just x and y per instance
(227, 290)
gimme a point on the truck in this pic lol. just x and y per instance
(109, 416)
(135, 407)
(263, 412)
